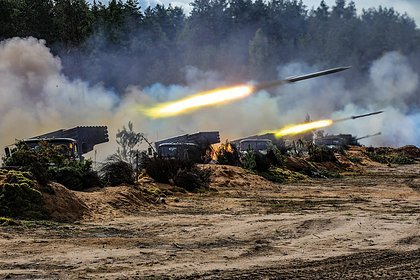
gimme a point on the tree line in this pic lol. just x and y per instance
(241, 39)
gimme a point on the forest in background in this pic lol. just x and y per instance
(119, 44)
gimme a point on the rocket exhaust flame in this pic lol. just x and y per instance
(203, 99)
(301, 128)
(222, 96)
(305, 127)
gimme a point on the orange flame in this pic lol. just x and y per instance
(203, 99)
(301, 128)
(220, 149)
(229, 148)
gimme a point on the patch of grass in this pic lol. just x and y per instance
(357, 160)
(20, 198)
(8, 222)
(326, 174)
(154, 191)
(278, 175)
(285, 206)
(322, 154)
(390, 157)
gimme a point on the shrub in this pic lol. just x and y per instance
(262, 162)
(388, 156)
(192, 179)
(34, 161)
(248, 161)
(184, 174)
(48, 162)
(8, 222)
(256, 161)
(115, 171)
(355, 159)
(322, 154)
(163, 170)
(227, 154)
(19, 197)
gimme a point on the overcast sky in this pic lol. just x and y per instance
(411, 7)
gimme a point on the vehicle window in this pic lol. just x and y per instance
(262, 146)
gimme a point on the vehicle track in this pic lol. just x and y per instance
(383, 264)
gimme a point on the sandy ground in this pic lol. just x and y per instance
(365, 225)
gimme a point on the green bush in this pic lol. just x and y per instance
(227, 154)
(19, 197)
(389, 157)
(8, 222)
(48, 162)
(192, 179)
(184, 174)
(262, 162)
(322, 154)
(116, 171)
(76, 175)
(34, 161)
(248, 161)
(355, 159)
(256, 161)
(163, 170)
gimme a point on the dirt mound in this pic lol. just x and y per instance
(62, 204)
(357, 155)
(111, 202)
(225, 176)
(410, 151)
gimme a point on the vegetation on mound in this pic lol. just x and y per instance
(355, 159)
(19, 196)
(257, 162)
(76, 176)
(115, 171)
(49, 163)
(280, 168)
(280, 175)
(226, 154)
(183, 174)
(389, 156)
(8, 222)
(322, 154)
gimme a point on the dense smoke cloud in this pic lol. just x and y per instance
(37, 97)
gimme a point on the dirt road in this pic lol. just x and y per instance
(361, 226)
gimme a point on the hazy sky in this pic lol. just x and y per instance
(411, 7)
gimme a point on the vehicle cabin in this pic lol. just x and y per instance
(68, 145)
(183, 151)
(261, 146)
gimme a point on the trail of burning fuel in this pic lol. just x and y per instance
(305, 127)
(202, 99)
(300, 128)
(223, 95)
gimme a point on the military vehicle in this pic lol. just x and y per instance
(258, 143)
(336, 141)
(340, 140)
(78, 140)
(187, 146)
